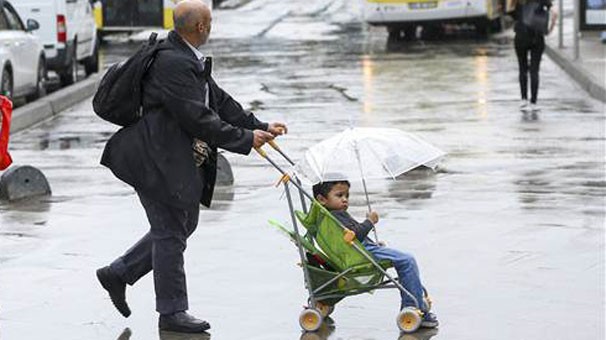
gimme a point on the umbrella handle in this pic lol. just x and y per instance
(374, 229)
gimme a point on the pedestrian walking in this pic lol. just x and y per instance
(533, 22)
(170, 158)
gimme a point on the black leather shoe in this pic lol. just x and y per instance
(116, 289)
(183, 323)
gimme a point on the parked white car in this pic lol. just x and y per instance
(68, 33)
(22, 59)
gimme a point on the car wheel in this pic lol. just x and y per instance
(483, 28)
(91, 64)
(410, 32)
(70, 74)
(394, 34)
(6, 84)
(40, 82)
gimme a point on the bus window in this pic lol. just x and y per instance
(142, 13)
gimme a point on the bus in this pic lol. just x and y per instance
(135, 15)
(403, 16)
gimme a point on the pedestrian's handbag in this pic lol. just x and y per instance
(118, 98)
(6, 109)
(535, 15)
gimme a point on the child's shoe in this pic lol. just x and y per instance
(430, 320)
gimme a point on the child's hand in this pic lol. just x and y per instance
(373, 217)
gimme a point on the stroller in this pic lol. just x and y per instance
(335, 264)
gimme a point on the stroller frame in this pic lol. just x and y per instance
(408, 320)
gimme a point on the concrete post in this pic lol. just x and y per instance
(577, 19)
(561, 24)
(20, 182)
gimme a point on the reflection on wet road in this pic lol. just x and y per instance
(509, 233)
(163, 335)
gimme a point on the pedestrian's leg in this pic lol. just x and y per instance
(127, 269)
(136, 261)
(522, 55)
(170, 228)
(408, 273)
(535, 61)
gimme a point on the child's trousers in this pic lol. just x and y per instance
(408, 272)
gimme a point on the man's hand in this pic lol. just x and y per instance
(373, 217)
(277, 129)
(261, 137)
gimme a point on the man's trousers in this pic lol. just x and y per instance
(161, 250)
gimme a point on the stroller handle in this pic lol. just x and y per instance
(276, 147)
(261, 152)
(273, 144)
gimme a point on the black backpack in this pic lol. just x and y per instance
(535, 15)
(118, 98)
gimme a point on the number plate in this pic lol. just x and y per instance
(423, 5)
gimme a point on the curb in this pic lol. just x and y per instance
(233, 4)
(597, 91)
(51, 105)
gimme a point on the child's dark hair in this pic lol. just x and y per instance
(323, 188)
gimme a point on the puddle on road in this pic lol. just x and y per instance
(410, 188)
(61, 143)
(22, 218)
(32, 205)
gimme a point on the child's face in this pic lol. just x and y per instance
(337, 198)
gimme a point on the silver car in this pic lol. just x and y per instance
(22, 61)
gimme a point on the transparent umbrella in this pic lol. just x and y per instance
(367, 153)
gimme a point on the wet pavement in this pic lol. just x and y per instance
(509, 233)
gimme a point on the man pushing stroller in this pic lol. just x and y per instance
(334, 196)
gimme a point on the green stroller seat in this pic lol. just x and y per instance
(336, 266)
(339, 270)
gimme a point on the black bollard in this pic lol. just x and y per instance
(224, 174)
(19, 182)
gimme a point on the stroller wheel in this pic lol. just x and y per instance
(409, 320)
(310, 336)
(324, 309)
(310, 319)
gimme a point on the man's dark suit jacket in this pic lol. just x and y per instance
(155, 155)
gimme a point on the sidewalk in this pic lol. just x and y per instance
(589, 70)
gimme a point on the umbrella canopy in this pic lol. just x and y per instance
(367, 153)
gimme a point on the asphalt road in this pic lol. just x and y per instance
(509, 232)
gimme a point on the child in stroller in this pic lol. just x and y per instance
(334, 196)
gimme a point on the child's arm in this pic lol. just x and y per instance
(361, 229)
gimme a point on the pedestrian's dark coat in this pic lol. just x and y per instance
(155, 154)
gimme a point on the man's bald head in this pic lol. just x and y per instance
(192, 21)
